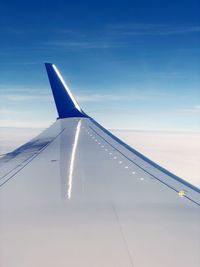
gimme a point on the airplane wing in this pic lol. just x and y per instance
(78, 196)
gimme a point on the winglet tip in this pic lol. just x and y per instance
(48, 64)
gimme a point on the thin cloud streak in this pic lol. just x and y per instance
(93, 44)
(80, 98)
(8, 112)
(21, 98)
(151, 29)
(110, 98)
(195, 110)
(4, 89)
(114, 36)
(25, 124)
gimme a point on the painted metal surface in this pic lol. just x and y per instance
(78, 196)
(66, 104)
(86, 201)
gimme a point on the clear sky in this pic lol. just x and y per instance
(131, 64)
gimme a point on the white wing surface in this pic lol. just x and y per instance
(77, 196)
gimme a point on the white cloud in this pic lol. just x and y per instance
(20, 94)
(178, 152)
(25, 124)
(195, 109)
(80, 98)
(8, 112)
(114, 35)
(26, 97)
(131, 29)
(104, 97)
(6, 88)
(81, 44)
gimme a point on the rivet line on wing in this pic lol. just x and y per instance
(95, 139)
(150, 175)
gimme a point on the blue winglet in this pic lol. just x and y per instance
(66, 104)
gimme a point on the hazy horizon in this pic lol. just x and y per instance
(179, 152)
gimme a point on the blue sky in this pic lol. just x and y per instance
(131, 64)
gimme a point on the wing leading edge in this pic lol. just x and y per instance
(78, 195)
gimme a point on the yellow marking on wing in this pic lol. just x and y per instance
(181, 193)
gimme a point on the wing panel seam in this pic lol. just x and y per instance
(31, 159)
(169, 186)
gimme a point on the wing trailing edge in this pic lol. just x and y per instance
(66, 104)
